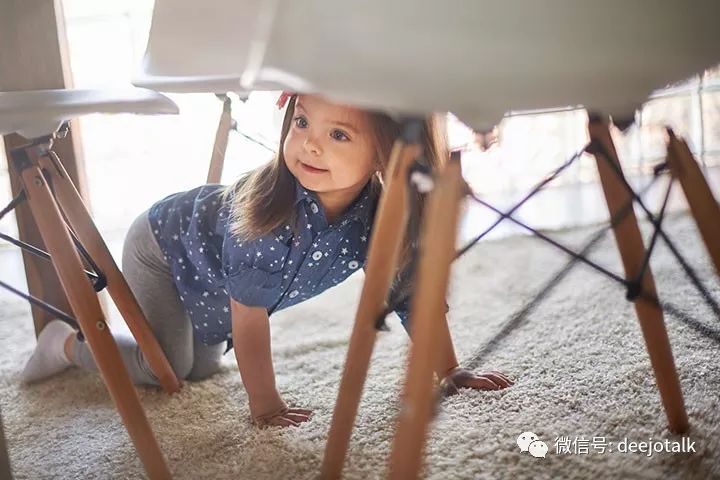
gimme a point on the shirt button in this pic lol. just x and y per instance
(314, 207)
(317, 255)
(353, 264)
(294, 294)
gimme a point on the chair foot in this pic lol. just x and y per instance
(86, 307)
(703, 206)
(383, 253)
(439, 232)
(632, 251)
(81, 222)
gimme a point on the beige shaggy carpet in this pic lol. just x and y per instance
(578, 357)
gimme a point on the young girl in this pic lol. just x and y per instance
(208, 266)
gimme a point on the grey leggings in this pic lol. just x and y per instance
(152, 284)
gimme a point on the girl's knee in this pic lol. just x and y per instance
(203, 370)
(207, 360)
(181, 365)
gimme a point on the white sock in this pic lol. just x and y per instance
(49, 356)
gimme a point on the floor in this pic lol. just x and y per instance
(584, 384)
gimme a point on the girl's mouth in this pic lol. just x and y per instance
(310, 169)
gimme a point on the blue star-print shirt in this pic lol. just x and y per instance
(280, 269)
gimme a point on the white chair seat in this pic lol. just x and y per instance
(482, 59)
(200, 47)
(190, 84)
(35, 113)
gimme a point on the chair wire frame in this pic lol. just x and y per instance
(94, 273)
(633, 286)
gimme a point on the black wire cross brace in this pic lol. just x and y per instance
(634, 285)
(96, 275)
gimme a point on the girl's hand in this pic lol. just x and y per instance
(460, 377)
(283, 417)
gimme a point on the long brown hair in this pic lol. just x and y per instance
(264, 198)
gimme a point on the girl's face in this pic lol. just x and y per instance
(329, 147)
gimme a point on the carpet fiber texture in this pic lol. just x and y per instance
(567, 335)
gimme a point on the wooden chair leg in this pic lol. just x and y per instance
(217, 159)
(704, 207)
(82, 224)
(632, 250)
(86, 307)
(384, 249)
(437, 252)
(39, 274)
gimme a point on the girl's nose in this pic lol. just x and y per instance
(311, 146)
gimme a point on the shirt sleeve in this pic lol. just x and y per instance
(252, 288)
(246, 282)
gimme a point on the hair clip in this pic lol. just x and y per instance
(283, 98)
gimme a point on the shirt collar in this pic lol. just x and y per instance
(303, 194)
(360, 210)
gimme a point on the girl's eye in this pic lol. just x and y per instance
(339, 135)
(300, 121)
